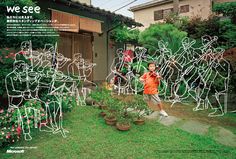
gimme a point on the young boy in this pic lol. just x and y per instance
(151, 82)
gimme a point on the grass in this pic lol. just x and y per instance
(91, 138)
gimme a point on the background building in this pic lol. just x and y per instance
(156, 10)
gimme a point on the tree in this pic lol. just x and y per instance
(123, 34)
(167, 32)
(227, 9)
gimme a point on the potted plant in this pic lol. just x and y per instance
(138, 119)
(140, 109)
(110, 118)
(123, 123)
(100, 96)
(123, 117)
(102, 114)
(114, 107)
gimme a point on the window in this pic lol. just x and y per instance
(158, 15)
(161, 14)
(184, 9)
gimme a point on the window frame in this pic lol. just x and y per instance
(183, 9)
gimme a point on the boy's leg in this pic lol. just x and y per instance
(147, 99)
(157, 101)
(160, 106)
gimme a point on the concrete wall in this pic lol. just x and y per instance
(200, 8)
(100, 56)
(111, 56)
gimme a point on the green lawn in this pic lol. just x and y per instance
(91, 138)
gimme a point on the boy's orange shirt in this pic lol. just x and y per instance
(151, 83)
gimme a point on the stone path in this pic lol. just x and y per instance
(195, 127)
(223, 136)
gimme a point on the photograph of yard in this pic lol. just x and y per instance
(135, 79)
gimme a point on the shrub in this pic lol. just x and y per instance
(100, 95)
(10, 128)
(9, 132)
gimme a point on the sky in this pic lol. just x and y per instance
(115, 4)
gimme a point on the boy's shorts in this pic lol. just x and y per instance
(152, 97)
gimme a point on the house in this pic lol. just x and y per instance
(90, 33)
(156, 10)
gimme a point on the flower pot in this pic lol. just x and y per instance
(89, 101)
(110, 120)
(122, 126)
(113, 111)
(103, 107)
(139, 121)
(102, 114)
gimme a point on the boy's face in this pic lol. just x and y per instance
(151, 67)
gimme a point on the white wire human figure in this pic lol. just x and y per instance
(16, 94)
(207, 74)
(81, 70)
(193, 56)
(218, 70)
(169, 69)
(29, 80)
(182, 59)
(190, 72)
(28, 75)
(116, 77)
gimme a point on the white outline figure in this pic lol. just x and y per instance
(30, 67)
(190, 72)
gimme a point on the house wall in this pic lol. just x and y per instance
(200, 8)
(100, 56)
(83, 1)
(111, 55)
(103, 55)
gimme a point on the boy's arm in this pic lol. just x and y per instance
(158, 77)
(143, 77)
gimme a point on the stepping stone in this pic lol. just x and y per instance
(153, 116)
(170, 120)
(226, 137)
(195, 127)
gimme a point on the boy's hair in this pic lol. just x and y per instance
(151, 63)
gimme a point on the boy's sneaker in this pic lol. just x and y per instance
(163, 113)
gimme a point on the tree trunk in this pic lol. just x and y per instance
(176, 6)
(234, 19)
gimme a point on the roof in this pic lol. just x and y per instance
(149, 4)
(99, 11)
